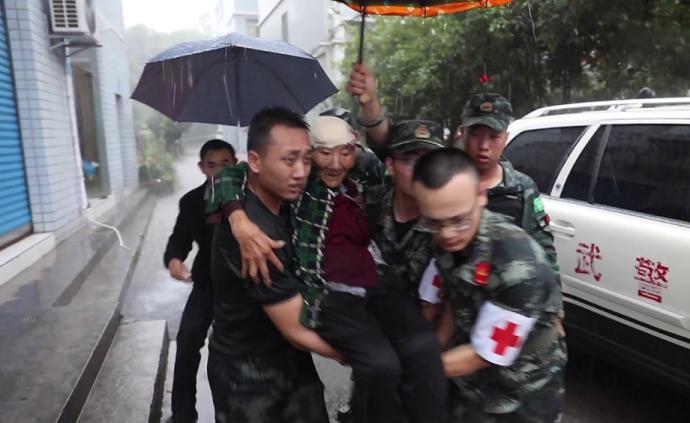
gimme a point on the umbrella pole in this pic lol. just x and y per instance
(361, 33)
(356, 100)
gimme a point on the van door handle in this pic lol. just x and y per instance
(564, 229)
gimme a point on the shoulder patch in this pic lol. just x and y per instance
(538, 205)
(481, 273)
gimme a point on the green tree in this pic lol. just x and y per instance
(537, 52)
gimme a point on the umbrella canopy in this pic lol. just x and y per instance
(229, 79)
(423, 8)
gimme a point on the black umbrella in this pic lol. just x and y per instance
(227, 80)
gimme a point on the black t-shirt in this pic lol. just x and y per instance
(240, 325)
(402, 228)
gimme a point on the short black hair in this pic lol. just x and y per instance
(437, 167)
(262, 123)
(215, 145)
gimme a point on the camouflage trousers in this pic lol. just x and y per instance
(277, 387)
(542, 405)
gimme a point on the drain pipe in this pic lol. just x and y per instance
(69, 85)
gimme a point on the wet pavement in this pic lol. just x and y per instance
(596, 391)
(153, 294)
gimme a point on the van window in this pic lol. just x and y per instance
(540, 153)
(579, 182)
(646, 168)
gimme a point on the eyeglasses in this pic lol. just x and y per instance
(458, 223)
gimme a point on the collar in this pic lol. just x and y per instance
(510, 177)
(387, 221)
(386, 216)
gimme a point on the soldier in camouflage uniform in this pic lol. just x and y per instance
(485, 121)
(507, 356)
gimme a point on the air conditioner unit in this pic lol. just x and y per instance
(72, 17)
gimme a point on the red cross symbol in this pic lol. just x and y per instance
(436, 281)
(505, 338)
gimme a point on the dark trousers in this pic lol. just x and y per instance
(274, 387)
(424, 388)
(196, 319)
(347, 324)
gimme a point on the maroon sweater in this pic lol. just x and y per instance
(346, 255)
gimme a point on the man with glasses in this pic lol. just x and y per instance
(506, 354)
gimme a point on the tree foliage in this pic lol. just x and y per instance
(537, 52)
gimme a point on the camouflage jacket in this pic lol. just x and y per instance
(518, 277)
(408, 258)
(517, 197)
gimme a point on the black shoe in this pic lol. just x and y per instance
(173, 419)
(344, 413)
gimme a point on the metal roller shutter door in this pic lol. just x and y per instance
(15, 215)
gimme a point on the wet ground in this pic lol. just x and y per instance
(597, 392)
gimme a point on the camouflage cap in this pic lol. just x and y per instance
(492, 110)
(414, 135)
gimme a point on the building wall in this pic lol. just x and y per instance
(306, 26)
(53, 171)
(113, 84)
(318, 29)
(47, 138)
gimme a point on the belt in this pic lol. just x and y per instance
(341, 287)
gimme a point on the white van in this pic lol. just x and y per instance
(615, 179)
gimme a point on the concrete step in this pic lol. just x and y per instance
(41, 369)
(52, 343)
(61, 272)
(129, 386)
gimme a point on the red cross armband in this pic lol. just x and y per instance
(430, 285)
(498, 334)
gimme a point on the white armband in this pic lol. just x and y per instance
(498, 334)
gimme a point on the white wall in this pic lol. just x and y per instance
(53, 172)
(112, 77)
